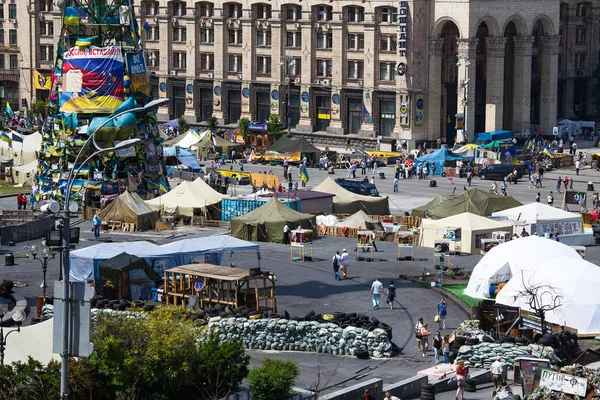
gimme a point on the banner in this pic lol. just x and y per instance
(245, 98)
(92, 80)
(269, 155)
(217, 96)
(258, 180)
(335, 104)
(559, 228)
(508, 153)
(41, 82)
(138, 73)
(305, 102)
(162, 88)
(189, 93)
(419, 109)
(367, 107)
(275, 103)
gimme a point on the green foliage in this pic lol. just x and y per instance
(212, 122)
(274, 125)
(243, 125)
(273, 379)
(183, 125)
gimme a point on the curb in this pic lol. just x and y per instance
(4, 196)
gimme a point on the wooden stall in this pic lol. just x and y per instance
(213, 284)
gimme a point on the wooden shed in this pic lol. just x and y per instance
(233, 287)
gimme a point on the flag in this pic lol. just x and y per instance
(467, 194)
(17, 138)
(162, 186)
(84, 42)
(71, 16)
(303, 174)
(449, 120)
(5, 138)
(581, 199)
(41, 82)
(547, 151)
(131, 183)
(9, 110)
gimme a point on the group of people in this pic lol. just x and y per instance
(377, 290)
(340, 263)
(566, 181)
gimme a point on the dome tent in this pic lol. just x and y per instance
(266, 223)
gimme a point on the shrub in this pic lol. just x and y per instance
(273, 379)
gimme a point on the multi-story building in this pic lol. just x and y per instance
(332, 65)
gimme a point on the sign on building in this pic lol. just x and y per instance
(563, 383)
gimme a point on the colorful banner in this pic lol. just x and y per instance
(335, 104)
(559, 228)
(217, 90)
(305, 102)
(508, 153)
(419, 109)
(367, 106)
(189, 93)
(245, 98)
(162, 88)
(93, 80)
(138, 73)
(41, 82)
(275, 102)
(269, 155)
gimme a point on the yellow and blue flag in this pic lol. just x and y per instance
(84, 42)
(5, 138)
(71, 16)
(303, 174)
(162, 186)
(9, 110)
(547, 151)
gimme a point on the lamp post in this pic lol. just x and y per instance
(464, 83)
(64, 370)
(18, 316)
(47, 256)
(289, 62)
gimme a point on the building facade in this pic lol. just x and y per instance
(333, 66)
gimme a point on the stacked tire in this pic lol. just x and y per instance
(470, 385)
(596, 232)
(427, 391)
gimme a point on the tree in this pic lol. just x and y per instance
(273, 379)
(596, 92)
(183, 125)
(274, 125)
(243, 125)
(540, 298)
(213, 123)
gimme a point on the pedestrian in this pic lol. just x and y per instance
(425, 170)
(446, 348)
(550, 199)
(469, 177)
(425, 338)
(442, 312)
(367, 396)
(559, 182)
(503, 187)
(345, 262)
(388, 396)
(372, 181)
(396, 184)
(286, 232)
(566, 182)
(391, 295)
(538, 197)
(496, 372)
(418, 334)
(373, 239)
(96, 222)
(571, 182)
(376, 289)
(335, 263)
(577, 166)
(19, 201)
(461, 373)
(437, 346)
(363, 167)
(233, 160)
(223, 158)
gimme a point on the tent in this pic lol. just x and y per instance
(184, 156)
(510, 258)
(475, 201)
(33, 341)
(294, 145)
(130, 208)
(184, 198)
(544, 219)
(24, 174)
(266, 223)
(346, 202)
(360, 220)
(188, 249)
(577, 292)
(131, 276)
(185, 140)
(473, 229)
(440, 198)
(31, 143)
(439, 159)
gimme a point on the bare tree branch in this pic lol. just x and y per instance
(541, 298)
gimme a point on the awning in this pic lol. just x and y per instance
(191, 162)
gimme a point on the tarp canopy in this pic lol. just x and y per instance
(85, 262)
(191, 162)
(346, 202)
(360, 220)
(475, 201)
(534, 212)
(184, 198)
(576, 291)
(130, 208)
(176, 151)
(503, 262)
(473, 227)
(131, 276)
(293, 145)
(24, 174)
(266, 223)
(438, 158)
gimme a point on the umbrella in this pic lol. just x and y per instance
(174, 123)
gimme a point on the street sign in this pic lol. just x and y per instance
(80, 319)
(199, 285)
(563, 383)
(555, 131)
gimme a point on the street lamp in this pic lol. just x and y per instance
(464, 83)
(47, 255)
(17, 316)
(290, 61)
(64, 369)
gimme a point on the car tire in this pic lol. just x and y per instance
(362, 354)
(482, 177)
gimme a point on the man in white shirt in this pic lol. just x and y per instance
(345, 260)
(496, 371)
(286, 234)
(376, 289)
(388, 396)
(577, 166)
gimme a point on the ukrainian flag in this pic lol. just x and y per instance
(162, 186)
(547, 151)
(71, 16)
(5, 138)
(84, 42)
(9, 110)
(303, 174)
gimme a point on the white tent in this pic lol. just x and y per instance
(185, 197)
(191, 138)
(31, 142)
(33, 341)
(544, 219)
(473, 229)
(24, 174)
(577, 289)
(507, 260)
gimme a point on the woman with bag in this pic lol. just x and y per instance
(425, 339)
(418, 334)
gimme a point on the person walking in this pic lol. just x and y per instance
(376, 289)
(469, 177)
(461, 373)
(388, 396)
(345, 261)
(566, 183)
(396, 184)
(538, 197)
(363, 167)
(418, 333)
(559, 182)
(551, 199)
(446, 349)
(286, 233)
(437, 346)
(96, 222)
(425, 339)
(367, 396)
(442, 312)
(335, 263)
(391, 295)
(496, 372)
(577, 166)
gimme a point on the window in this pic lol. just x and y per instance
(388, 43)
(2, 37)
(2, 60)
(296, 68)
(46, 52)
(12, 11)
(293, 13)
(534, 65)
(153, 33)
(387, 117)
(46, 5)
(581, 10)
(235, 63)
(207, 62)
(580, 35)
(151, 8)
(386, 71)
(324, 13)
(263, 38)
(154, 58)
(263, 11)
(293, 39)
(356, 14)
(580, 61)
(179, 34)
(207, 10)
(235, 36)
(179, 60)
(12, 37)
(564, 10)
(324, 68)
(1, 10)
(178, 9)
(389, 14)
(356, 69)
(234, 10)
(207, 35)
(356, 42)
(14, 61)
(324, 40)
(263, 65)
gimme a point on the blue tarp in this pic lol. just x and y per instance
(191, 162)
(438, 159)
(176, 151)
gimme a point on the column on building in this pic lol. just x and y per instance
(467, 48)
(367, 127)
(221, 64)
(191, 110)
(248, 70)
(549, 84)
(494, 93)
(165, 61)
(435, 90)
(306, 117)
(338, 61)
(278, 72)
(522, 83)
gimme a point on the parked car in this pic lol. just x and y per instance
(498, 172)
(362, 187)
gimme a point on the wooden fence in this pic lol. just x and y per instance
(15, 217)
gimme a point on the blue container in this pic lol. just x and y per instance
(233, 208)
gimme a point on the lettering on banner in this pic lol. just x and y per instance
(402, 31)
